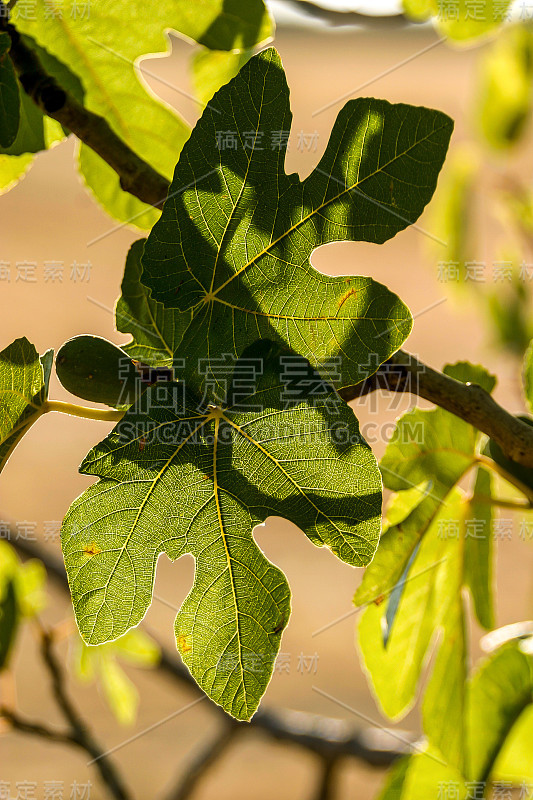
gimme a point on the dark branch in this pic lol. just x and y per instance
(328, 738)
(404, 373)
(326, 784)
(80, 733)
(205, 758)
(337, 17)
(136, 176)
(36, 728)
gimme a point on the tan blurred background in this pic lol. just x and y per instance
(50, 217)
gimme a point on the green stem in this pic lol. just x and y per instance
(490, 464)
(82, 411)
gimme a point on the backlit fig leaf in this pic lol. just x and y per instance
(104, 42)
(101, 664)
(24, 378)
(233, 243)
(36, 131)
(461, 21)
(496, 725)
(22, 595)
(434, 549)
(500, 692)
(218, 471)
(8, 621)
(429, 453)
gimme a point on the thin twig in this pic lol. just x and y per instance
(326, 784)
(202, 761)
(404, 373)
(36, 728)
(325, 737)
(80, 733)
(136, 176)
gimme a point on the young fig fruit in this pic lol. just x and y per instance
(94, 369)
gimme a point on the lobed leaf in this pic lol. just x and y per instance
(233, 243)
(218, 472)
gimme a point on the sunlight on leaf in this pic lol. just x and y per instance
(24, 378)
(104, 47)
(219, 472)
(233, 244)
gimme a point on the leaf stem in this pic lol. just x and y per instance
(492, 465)
(104, 415)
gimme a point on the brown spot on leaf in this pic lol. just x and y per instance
(344, 298)
(91, 549)
(183, 646)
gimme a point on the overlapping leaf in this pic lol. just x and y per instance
(24, 378)
(156, 331)
(233, 244)
(36, 131)
(216, 473)
(425, 558)
(499, 697)
(102, 44)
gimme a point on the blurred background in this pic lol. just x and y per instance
(50, 219)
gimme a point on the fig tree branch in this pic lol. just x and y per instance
(80, 733)
(405, 373)
(77, 734)
(331, 739)
(205, 758)
(136, 176)
(18, 723)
